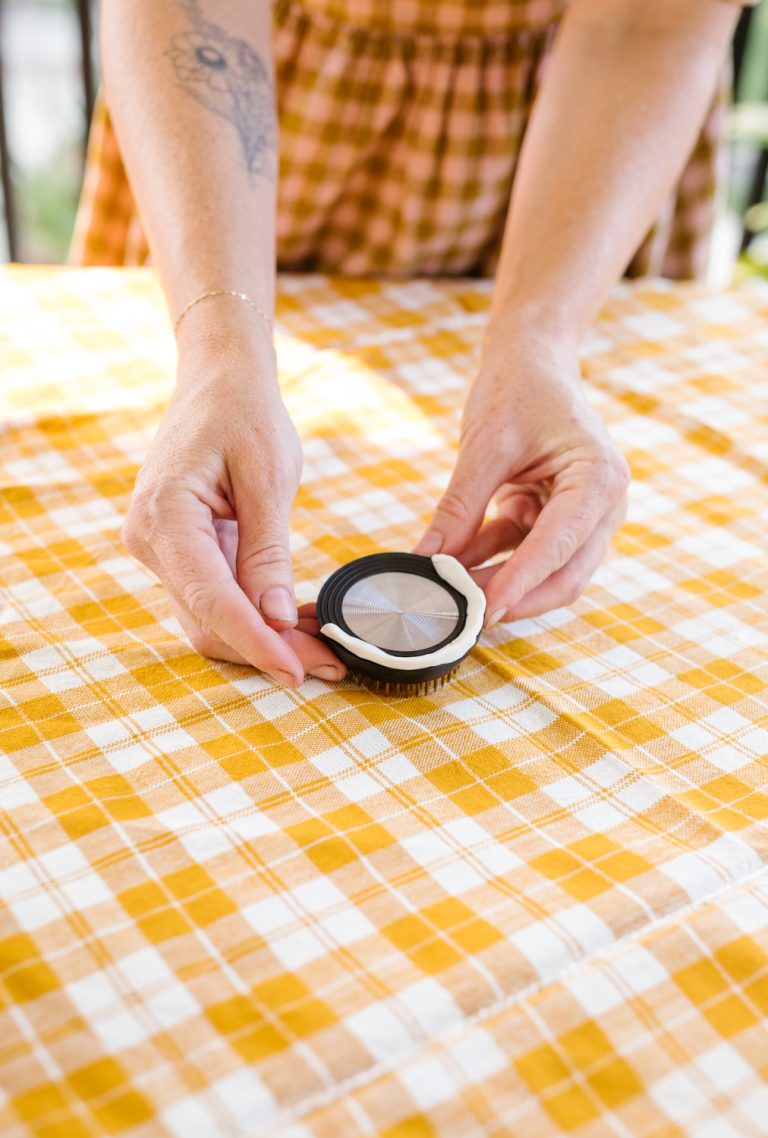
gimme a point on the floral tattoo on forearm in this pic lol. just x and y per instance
(227, 76)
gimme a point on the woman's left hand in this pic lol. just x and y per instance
(531, 441)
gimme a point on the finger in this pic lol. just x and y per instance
(226, 532)
(505, 531)
(494, 537)
(520, 499)
(317, 658)
(308, 621)
(461, 509)
(565, 585)
(564, 524)
(308, 624)
(205, 643)
(195, 572)
(263, 560)
(228, 540)
(485, 575)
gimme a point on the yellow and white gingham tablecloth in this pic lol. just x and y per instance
(532, 904)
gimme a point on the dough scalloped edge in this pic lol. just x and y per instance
(456, 575)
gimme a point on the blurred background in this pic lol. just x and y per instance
(48, 71)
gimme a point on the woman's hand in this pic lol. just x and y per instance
(531, 440)
(210, 514)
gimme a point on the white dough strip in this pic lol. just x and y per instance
(456, 575)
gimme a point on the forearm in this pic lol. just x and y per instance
(626, 91)
(190, 91)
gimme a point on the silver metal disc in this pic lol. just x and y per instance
(400, 612)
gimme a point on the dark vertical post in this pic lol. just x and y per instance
(739, 46)
(5, 168)
(84, 13)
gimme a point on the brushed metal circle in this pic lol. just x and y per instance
(400, 612)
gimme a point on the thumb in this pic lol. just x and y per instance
(263, 564)
(461, 509)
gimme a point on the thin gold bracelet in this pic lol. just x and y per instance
(222, 292)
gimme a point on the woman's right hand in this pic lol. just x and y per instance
(211, 506)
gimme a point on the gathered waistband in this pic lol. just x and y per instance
(448, 21)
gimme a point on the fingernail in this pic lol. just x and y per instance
(326, 672)
(494, 618)
(529, 519)
(432, 542)
(278, 604)
(286, 678)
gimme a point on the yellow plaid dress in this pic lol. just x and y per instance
(400, 129)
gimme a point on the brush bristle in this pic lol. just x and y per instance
(395, 689)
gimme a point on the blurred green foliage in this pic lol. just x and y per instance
(47, 203)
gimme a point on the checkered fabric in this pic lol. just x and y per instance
(400, 128)
(532, 903)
